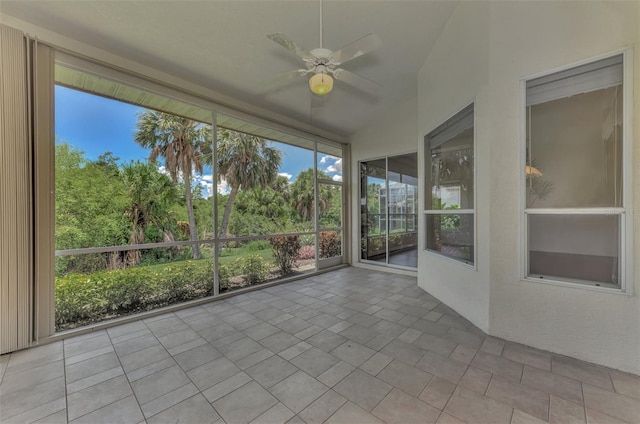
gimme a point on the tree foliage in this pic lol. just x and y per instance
(185, 145)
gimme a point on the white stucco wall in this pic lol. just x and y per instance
(483, 53)
(455, 74)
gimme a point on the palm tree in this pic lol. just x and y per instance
(245, 162)
(150, 195)
(303, 194)
(185, 146)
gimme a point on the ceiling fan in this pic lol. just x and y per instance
(325, 65)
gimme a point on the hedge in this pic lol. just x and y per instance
(83, 298)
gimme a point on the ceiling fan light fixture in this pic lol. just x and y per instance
(321, 83)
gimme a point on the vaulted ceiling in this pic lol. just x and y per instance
(222, 45)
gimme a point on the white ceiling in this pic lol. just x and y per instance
(222, 45)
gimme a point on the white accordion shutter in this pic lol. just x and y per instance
(16, 264)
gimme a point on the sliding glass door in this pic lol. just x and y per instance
(388, 205)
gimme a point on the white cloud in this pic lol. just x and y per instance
(207, 183)
(337, 178)
(326, 158)
(285, 174)
(336, 167)
(223, 187)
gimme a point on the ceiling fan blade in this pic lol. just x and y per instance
(290, 45)
(282, 78)
(357, 81)
(357, 48)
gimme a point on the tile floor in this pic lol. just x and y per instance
(351, 346)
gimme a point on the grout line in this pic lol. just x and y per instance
(64, 370)
(126, 377)
(584, 403)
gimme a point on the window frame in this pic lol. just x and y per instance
(625, 212)
(428, 211)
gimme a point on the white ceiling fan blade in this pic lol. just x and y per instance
(357, 81)
(290, 45)
(357, 48)
(282, 78)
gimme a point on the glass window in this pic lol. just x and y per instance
(574, 174)
(389, 196)
(146, 215)
(450, 183)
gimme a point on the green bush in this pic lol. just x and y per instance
(254, 268)
(224, 275)
(82, 298)
(285, 252)
(256, 246)
(330, 244)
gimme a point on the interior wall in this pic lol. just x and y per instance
(392, 135)
(455, 74)
(527, 39)
(484, 52)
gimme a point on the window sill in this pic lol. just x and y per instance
(576, 284)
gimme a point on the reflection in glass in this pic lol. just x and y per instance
(388, 210)
(575, 165)
(452, 173)
(451, 235)
(576, 247)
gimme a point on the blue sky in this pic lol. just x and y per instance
(97, 125)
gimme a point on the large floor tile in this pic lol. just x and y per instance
(437, 392)
(280, 341)
(399, 408)
(524, 398)
(225, 387)
(583, 371)
(197, 356)
(322, 408)
(350, 413)
(335, 374)
(563, 411)
(240, 349)
(527, 356)
(472, 407)
(31, 377)
(125, 410)
(405, 377)
(98, 396)
(212, 373)
(616, 405)
(51, 412)
(498, 365)
(271, 371)
(555, 384)
(278, 414)
(92, 366)
(314, 361)
(326, 340)
(353, 353)
(363, 389)
(442, 367)
(155, 385)
(626, 384)
(403, 351)
(245, 404)
(298, 391)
